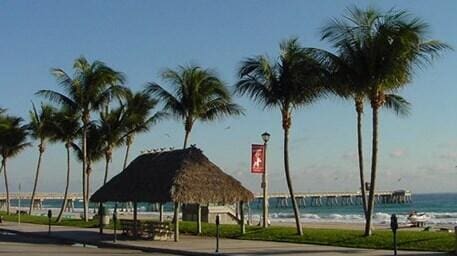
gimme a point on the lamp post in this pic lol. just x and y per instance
(265, 138)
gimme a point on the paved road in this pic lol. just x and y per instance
(12, 244)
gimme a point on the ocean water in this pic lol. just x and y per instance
(442, 208)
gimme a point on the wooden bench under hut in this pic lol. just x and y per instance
(180, 176)
(154, 230)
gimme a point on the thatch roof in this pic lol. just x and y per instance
(185, 176)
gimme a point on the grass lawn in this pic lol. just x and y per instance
(407, 240)
(382, 239)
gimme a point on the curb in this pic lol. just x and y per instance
(110, 244)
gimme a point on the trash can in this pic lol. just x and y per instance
(104, 215)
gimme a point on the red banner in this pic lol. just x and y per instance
(257, 158)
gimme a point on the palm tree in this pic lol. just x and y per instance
(346, 82)
(90, 89)
(94, 152)
(111, 127)
(66, 129)
(13, 140)
(40, 130)
(137, 117)
(385, 47)
(198, 95)
(291, 82)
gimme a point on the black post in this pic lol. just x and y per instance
(394, 227)
(115, 222)
(49, 218)
(100, 217)
(217, 232)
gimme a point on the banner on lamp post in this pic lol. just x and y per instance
(257, 158)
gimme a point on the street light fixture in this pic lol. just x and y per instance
(265, 138)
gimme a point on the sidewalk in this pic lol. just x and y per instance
(191, 245)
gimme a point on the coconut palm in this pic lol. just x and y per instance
(66, 129)
(90, 89)
(13, 140)
(384, 48)
(40, 130)
(111, 127)
(346, 81)
(138, 117)
(94, 151)
(293, 81)
(198, 94)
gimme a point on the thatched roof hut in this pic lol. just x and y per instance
(184, 176)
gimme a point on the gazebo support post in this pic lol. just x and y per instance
(176, 221)
(135, 220)
(199, 219)
(161, 212)
(242, 224)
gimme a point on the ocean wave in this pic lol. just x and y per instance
(378, 217)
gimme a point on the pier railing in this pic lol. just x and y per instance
(305, 199)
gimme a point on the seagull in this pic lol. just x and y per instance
(168, 135)
(228, 127)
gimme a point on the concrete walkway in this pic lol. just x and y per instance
(191, 245)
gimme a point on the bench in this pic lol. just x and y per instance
(153, 230)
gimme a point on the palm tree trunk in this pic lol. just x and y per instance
(84, 149)
(107, 160)
(186, 137)
(89, 170)
(360, 153)
(289, 181)
(374, 158)
(6, 188)
(67, 185)
(41, 151)
(129, 143)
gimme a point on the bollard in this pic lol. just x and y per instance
(217, 232)
(49, 217)
(115, 222)
(101, 214)
(394, 227)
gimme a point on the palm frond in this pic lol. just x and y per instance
(398, 104)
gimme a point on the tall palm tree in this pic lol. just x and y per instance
(385, 48)
(40, 130)
(197, 94)
(94, 151)
(345, 81)
(138, 117)
(66, 129)
(13, 140)
(111, 127)
(293, 81)
(90, 89)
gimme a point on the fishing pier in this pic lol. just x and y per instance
(40, 197)
(282, 200)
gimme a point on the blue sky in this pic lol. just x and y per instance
(141, 38)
